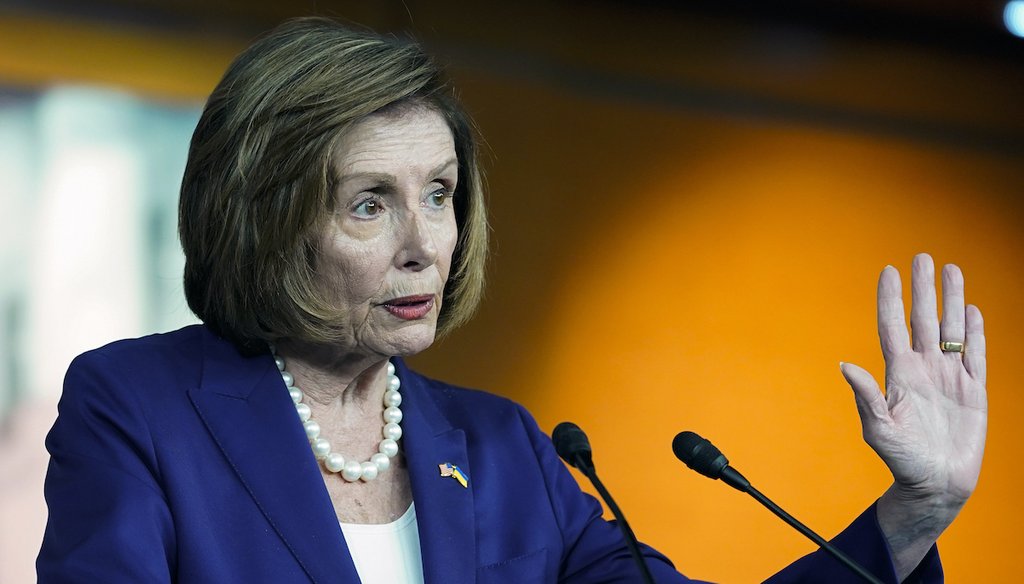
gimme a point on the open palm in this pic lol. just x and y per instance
(929, 426)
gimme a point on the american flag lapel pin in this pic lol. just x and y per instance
(450, 470)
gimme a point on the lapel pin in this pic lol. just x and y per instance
(450, 470)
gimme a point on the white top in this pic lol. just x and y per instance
(387, 553)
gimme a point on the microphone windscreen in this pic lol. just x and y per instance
(570, 441)
(699, 454)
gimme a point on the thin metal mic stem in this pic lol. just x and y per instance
(828, 547)
(627, 532)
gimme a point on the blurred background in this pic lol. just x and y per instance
(690, 202)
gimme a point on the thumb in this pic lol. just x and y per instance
(870, 402)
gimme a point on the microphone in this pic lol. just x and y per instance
(573, 447)
(702, 456)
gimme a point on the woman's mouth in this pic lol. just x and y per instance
(410, 307)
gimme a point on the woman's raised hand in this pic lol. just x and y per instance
(929, 425)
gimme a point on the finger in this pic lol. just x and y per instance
(974, 354)
(892, 321)
(870, 400)
(923, 314)
(952, 325)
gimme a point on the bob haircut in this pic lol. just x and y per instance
(258, 188)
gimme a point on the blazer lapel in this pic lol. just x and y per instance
(243, 402)
(444, 508)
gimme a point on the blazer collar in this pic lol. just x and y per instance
(243, 404)
(444, 508)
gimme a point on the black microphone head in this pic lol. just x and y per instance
(572, 445)
(699, 454)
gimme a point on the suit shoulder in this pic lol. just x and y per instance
(146, 365)
(150, 345)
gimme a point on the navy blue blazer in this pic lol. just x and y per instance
(176, 459)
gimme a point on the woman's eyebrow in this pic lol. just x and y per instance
(382, 178)
(387, 180)
(453, 161)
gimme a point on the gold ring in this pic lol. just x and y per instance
(951, 347)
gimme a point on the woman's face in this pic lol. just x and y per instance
(388, 247)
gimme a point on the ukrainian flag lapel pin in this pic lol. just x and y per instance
(450, 470)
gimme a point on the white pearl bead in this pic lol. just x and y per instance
(393, 431)
(312, 429)
(304, 411)
(334, 462)
(391, 368)
(279, 362)
(393, 415)
(394, 383)
(369, 471)
(352, 471)
(388, 447)
(381, 460)
(288, 379)
(296, 394)
(321, 448)
(392, 399)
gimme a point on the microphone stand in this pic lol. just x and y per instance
(825, 545)
(588, 470)
(703, 457)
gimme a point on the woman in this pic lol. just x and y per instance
(332, 220)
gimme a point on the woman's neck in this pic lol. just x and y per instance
(333, 379)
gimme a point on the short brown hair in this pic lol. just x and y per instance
(257, 189)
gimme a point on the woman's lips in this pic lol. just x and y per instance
(410, 307)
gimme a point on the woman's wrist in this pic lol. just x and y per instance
(912, 520)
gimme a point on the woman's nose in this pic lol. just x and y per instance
(418, 250)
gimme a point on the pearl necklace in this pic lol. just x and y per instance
(351, 470)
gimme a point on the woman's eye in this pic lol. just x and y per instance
(438, 198)
(368, 208)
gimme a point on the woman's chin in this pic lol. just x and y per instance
(410, 340)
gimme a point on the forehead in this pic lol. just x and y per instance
(411, 137)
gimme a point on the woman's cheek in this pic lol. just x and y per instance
(450, 242)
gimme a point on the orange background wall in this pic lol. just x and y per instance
(670, 265)
(658, 271)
